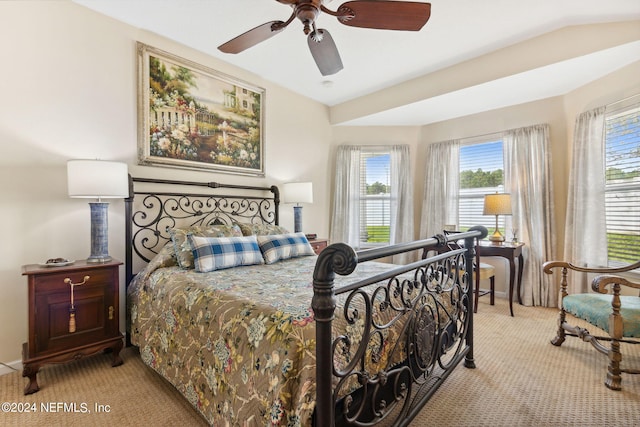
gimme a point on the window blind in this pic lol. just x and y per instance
(622, 186)
(375, 197)
(481, 172)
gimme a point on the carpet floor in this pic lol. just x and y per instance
(520, 380)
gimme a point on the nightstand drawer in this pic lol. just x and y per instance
(52, 283)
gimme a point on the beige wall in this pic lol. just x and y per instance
(68, 85)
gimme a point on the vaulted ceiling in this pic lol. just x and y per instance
(471, 56)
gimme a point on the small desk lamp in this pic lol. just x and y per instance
(98, 179)
(497, 204)
(297, 192)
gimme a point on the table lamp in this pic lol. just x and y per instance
(297, 192)
(98, 179)
(497, 204)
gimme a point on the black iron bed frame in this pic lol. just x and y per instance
(147, 229)
(436, 338)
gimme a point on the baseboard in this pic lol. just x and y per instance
(6, 368)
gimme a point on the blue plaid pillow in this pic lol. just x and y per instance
(216, 253)
(277, 247)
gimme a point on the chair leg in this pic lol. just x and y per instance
(492, 293)
(614, 379)
(560, 335)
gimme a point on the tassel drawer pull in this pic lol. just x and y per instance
(72, 308)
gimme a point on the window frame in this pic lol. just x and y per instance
(477, 194)
(619, 187)
(366, 153)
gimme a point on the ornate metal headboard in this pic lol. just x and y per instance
(161, 204)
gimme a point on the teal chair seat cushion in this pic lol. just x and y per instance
(596, 308)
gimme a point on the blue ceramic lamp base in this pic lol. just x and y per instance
(297, 219)
(99, 233)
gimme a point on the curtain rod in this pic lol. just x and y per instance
(498, 134)
(371, 146)
(623, 100)
(470, 139)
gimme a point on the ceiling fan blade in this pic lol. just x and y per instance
(252, 37)
(324, 52)
(384, 15)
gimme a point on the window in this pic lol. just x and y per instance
(375, 197)
(481, 172)
(372, 200)
(622, 185)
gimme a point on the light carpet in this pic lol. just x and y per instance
(520, 380)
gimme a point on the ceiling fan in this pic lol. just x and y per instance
(377, 14)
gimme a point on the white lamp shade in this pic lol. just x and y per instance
(297, 192)
(497, 204)
(97, 179)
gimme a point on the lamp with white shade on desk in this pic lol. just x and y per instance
(497, 204)
(297, 192)
(98, 179)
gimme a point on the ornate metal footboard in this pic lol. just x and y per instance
(375, 374)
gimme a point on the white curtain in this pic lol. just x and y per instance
(345, 223)
(528, 180)
(585, 237)
(441, 187)
(401, 200)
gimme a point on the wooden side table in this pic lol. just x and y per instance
(73, 313)
(318, 245)
(510, 251)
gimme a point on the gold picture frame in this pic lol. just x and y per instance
(191, 116)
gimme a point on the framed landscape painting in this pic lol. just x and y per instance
(190, 116)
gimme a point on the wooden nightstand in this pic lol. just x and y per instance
(318, 245)
(510, 251)
(53, 337)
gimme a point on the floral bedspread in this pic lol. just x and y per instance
(239, 343)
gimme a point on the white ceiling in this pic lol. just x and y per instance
(458, 30)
